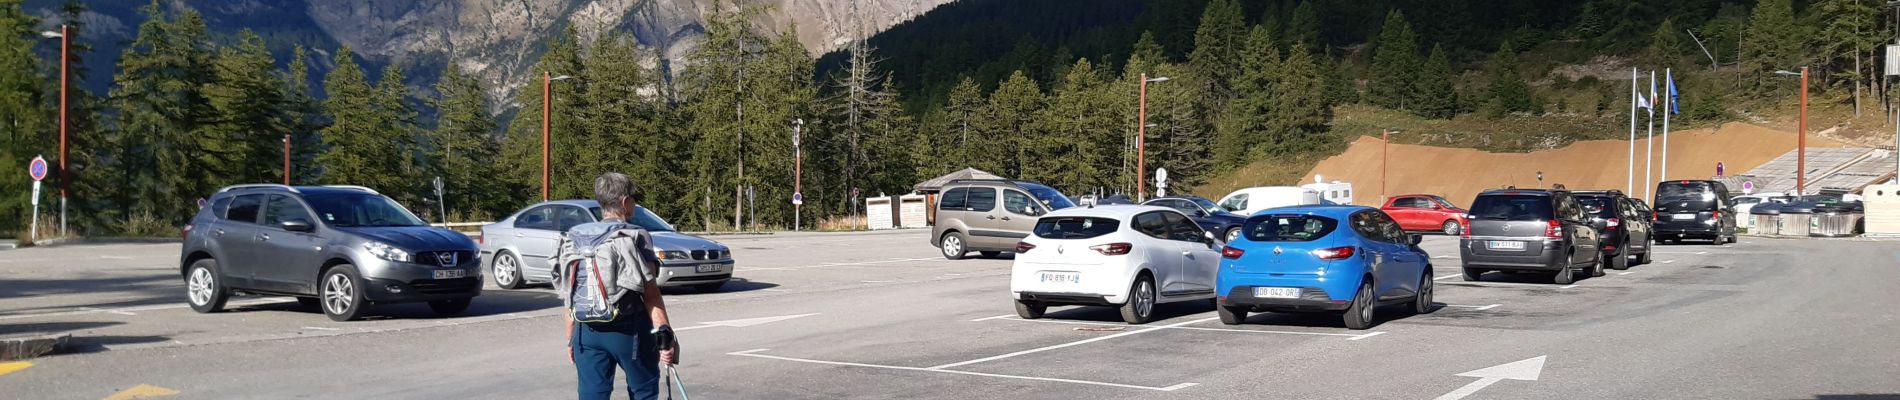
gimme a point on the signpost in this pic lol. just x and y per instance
(1748, 187)
(438, 201)
(37, 170)
(1161, 182)
(798, 175)
(1719, 169)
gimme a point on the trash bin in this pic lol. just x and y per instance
(1767, 218)
(1834, 220)
(1796, 218)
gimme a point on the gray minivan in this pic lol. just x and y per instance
(1530, 230)
(989, 216)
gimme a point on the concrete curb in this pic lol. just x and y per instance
(28, 347)
(105, 240)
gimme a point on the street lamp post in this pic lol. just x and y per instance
(286, 160)
(1801, 140)
(65, 42)
(1385, 141)
(547, 114)
(798, 176)
(1141, 139)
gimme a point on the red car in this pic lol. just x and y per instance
(1426, 212)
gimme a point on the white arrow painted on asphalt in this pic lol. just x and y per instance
(1526, 370)
(741, 323)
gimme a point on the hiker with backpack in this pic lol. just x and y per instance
(605, 274)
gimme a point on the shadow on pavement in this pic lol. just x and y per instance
(148, 290)
(1162, 312)
(93, 344)
(733, 286)
(52, 327)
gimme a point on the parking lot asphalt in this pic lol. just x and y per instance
(881, 315)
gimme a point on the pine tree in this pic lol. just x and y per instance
(1217, 45)
(1303, 26)
(1508, 92)
(1147, 51)
(367, 143)
(1848, 32)
(249, 97)
(955, 135)
(463, 146)
(1666, 46)
(22, 136)
(1300, 111)
(307, 113)
(1438, 96)
(1772, 40)
(1010, 126)
(623, 123)
(522, 145)
(87, 172)
(1394, 65)
(163, 141)
(714, 91)
(1248, 120)
(1074, 124)
(1181, 138)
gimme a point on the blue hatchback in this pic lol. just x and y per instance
(1339, 259)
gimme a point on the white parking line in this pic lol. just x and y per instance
(1443, 257)
(1479, 308)
(1366, 336)
(1446, 277)
(1566, 286)
(119, 312)
(754, 353)
(319, 328)
(1669, 261)
(1626, 273)
(1074, 343)
(995, 317)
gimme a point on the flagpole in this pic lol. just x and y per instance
(1669, 107)
(1630, 185)
(1649, 150)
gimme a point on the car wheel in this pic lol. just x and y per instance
(450, 307)
(1644, 258)
(952, 245)
(991, 254)
(1452, 228)
(508, 271)
(1422, 300)
(1596, 268)
(1566, 275)
(1140, 307)
(1231, 315)
(1621, 261)
(1472, 274)
(709, 287)
(1359, 315)
(342, 295)
(204, 289)
(1232, 234)
(1030, 309)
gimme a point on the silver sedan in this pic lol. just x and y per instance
(516, 249)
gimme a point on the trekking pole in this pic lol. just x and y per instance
(673, 377)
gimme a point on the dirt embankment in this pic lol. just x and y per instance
(1459, 174)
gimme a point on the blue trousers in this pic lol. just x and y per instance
(627, 343)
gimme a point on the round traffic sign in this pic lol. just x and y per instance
(798, 198)
(1719, 168)
(37, 168)
(1748, 185)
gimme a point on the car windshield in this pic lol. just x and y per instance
(1446, 203)
(1512, 208)
(1205, 203)
(642, 218)
(1049, 197)
(1288, 228)
(1075, 227)
(360, 210)
(1597, 205)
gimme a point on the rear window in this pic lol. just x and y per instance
(1667, 192)
(1603, 206)
(1512, 208)
(1288, 228)
(1075, 227)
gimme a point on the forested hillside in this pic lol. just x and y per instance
(1043, 90)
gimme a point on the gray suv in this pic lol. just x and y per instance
(989, 216)
(1530, 230)
(340, 248)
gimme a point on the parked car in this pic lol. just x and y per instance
(969, 217)
(342, 248)
(1625, 232)
(1426, 212)
(1251, 200)
(1205, 213)
(1530, 230)
(1693, 210)
(519, 247)
(1344, 259)
(1130, 257)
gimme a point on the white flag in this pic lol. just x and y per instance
(1642, 102)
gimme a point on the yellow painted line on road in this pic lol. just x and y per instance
(142, 392)
(16, 366)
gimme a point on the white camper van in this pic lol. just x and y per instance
(1335, 192)
(1250, 200)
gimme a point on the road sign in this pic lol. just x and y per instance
(36, 193)
(1540, 176)
(201, 202)
(798, 199)
(1161, 177)
(438, 186)
(1719, 168)
(1748, 187)
(37, 168)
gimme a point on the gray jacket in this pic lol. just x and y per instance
(624, 253)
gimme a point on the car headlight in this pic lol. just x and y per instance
(671, 255)
(387, 252)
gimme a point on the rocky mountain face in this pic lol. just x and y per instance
(497, 40)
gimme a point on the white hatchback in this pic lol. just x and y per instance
(1126, 256)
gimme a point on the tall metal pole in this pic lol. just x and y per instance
(1629, 186)
(286, 160)
(1649, 149)
(65, 39)
(1669, 107)
(1385, 146)
(798, 175)
(1141, 143)
(1801, 142)
(547, 111)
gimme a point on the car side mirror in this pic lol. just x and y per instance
(296, 225)
(1209, 238)
(1415, 239)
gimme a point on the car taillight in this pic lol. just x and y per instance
(1024, 247)
(1653, 215)
(1336, 253)
(1231, 252)
(1555, 230)
(1611, 224)
(185, 232)
(1718, 215)
(1112, 249)
(481, 238)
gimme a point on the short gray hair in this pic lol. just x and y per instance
(610, 187)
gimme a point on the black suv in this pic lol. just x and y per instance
(1694, 209)
(1626, 230)
(338, 247)
(1530, 230)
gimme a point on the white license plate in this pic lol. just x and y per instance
(1503, 245)
(709, 267)
(1277, 292)
(1680, 217)
(449, 273)
(1061, 277)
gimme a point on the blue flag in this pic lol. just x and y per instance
(1675, 98)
